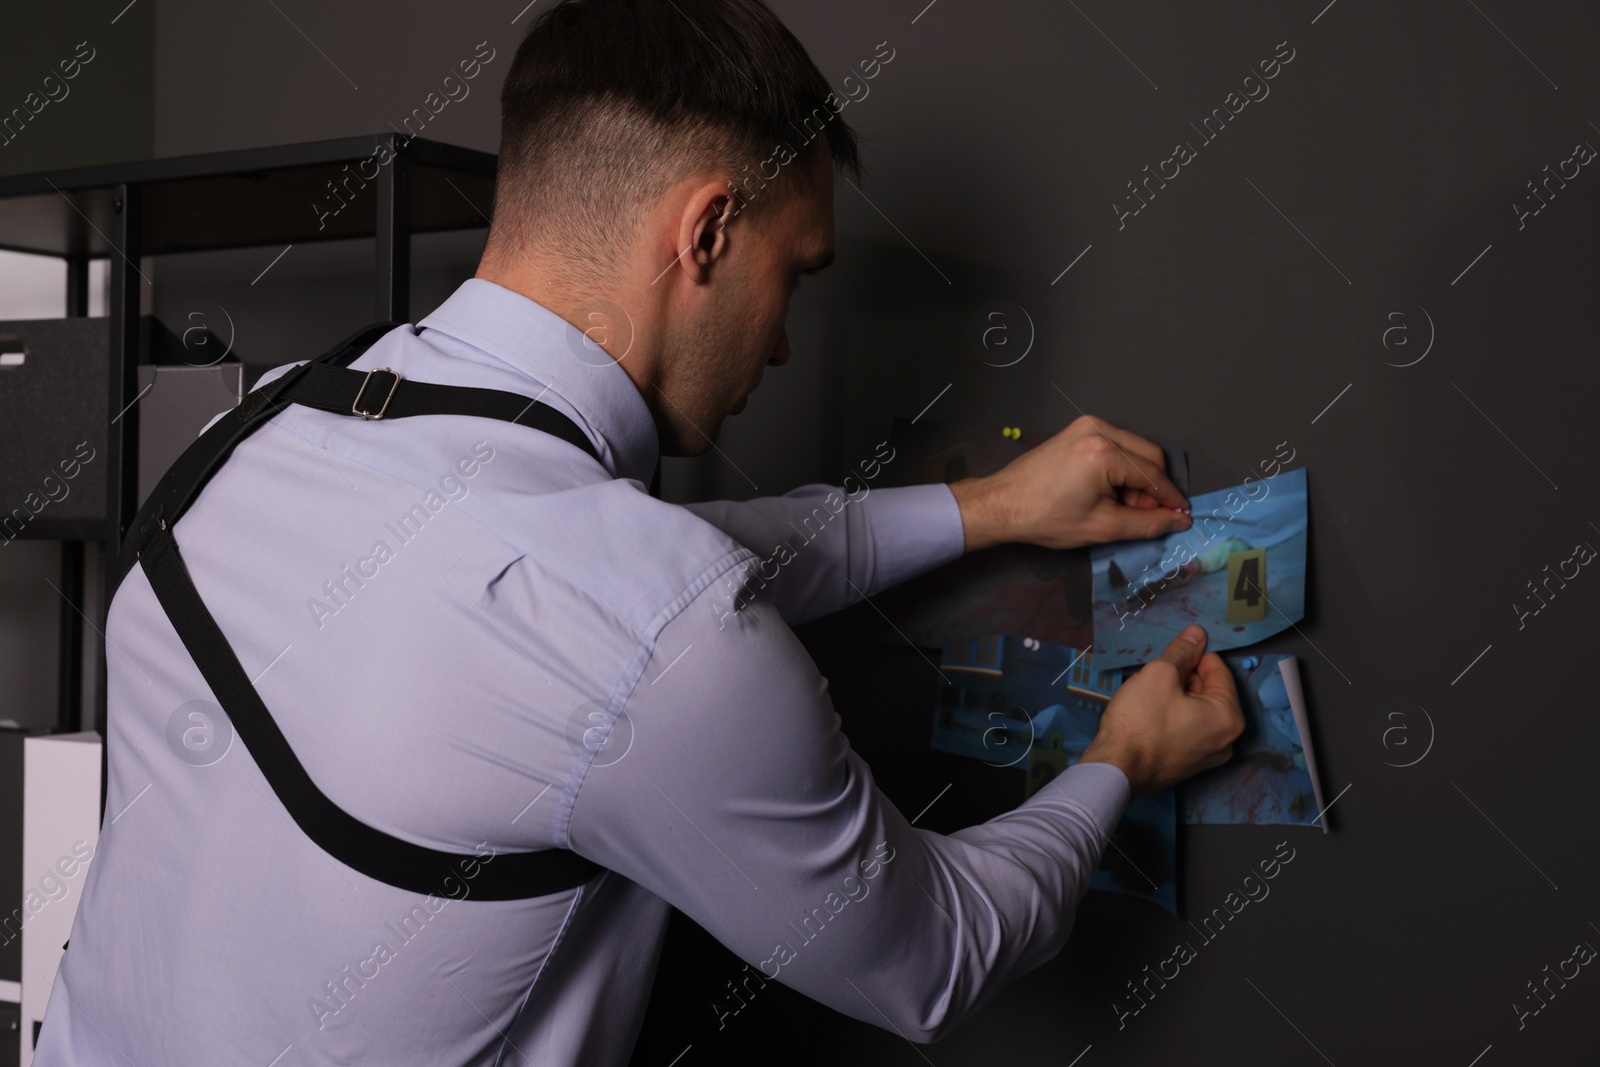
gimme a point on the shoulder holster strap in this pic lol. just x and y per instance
(328, 384)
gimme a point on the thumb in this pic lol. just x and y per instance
(1186, 650)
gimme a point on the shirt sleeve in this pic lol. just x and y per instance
(741, 803)
(816, 541)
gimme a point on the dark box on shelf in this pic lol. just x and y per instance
(55, 417)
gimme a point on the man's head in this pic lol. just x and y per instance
(665, 178)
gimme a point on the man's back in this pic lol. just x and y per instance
(417, 603)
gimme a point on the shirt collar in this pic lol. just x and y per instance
(540, 343)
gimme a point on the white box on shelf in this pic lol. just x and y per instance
(60, 831)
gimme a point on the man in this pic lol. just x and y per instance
(479, 639)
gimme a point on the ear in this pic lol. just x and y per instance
(702, 238)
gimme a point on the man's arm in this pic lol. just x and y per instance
(1091, 482)
(820, 547)
(742, 804)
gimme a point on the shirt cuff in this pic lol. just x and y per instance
(915, 528)
(1100, 789)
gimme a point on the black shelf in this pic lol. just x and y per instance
(247, 198)
(388, 187)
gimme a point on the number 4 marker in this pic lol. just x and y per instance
(1247, 586)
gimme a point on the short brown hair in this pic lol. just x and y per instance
(608, 102)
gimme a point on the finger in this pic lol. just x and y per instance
(1136, 472)
(1187, 651)
(1124, 523)
(1133, 497)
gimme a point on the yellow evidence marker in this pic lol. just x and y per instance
(1247, 586)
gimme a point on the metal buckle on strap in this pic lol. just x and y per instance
(357, 409)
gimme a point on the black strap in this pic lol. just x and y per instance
(194, 468)
(503, 876)
(384, 394)
(326, 384)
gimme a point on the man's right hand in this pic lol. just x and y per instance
(1175, 717)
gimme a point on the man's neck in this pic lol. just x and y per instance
(614, 317)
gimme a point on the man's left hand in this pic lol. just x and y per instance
(1089, 483)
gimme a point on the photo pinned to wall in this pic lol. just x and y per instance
(1006, 589)
(1272, 778)
(1239, 570)
(1029, 708)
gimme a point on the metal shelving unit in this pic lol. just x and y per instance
(386, 187)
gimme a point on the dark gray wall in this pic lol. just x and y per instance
(243, 75)
(1225, 317)
(1253, 291)
(103, 114)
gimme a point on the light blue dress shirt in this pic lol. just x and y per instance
(477, 638)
